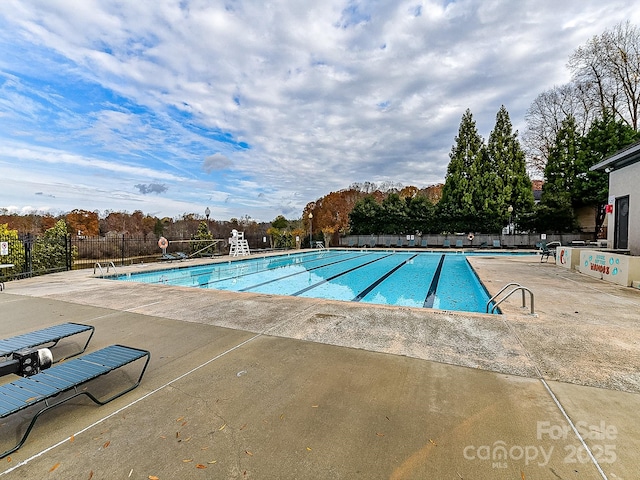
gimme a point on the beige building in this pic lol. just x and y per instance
(623, 167)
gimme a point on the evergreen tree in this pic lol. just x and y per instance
(513, 185)
(364, 219)
(605, 137)
(158, 228)
(456, 207)
(50, 250)
(487, 190)
(394, 215)
(555, 211)
(421, 213)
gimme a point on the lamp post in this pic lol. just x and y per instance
(310, 230)
(207, 212)
(510, 210)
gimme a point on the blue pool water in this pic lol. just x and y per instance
(411, 279)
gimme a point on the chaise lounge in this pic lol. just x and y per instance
(46, 337)
(50, 384)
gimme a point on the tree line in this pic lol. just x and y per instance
(84, 223)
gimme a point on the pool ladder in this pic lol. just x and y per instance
(99, 267)
(517, 287)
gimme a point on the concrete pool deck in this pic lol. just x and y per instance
(262, 386)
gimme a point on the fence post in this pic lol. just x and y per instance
(67, 250)
(28, 258)
(122, 252)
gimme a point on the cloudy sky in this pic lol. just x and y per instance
(259, 107)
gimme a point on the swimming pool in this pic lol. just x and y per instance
(410, 279)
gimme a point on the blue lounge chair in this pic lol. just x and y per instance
(41, 388)
(446, 243)
(458, 243)
(47, 337)
(400, 242)
(496, 244)
(423, 243)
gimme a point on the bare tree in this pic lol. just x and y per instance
(609, 65)
(546, 114)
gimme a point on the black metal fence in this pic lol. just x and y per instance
(31, 256)
(28, 255)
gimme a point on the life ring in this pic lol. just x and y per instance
(470, 237)
(163, 243)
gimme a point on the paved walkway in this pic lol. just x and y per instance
(268, 387)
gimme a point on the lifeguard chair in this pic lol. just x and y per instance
(238, 246)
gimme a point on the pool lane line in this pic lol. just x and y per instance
(431, 293)
(325, 280)
(367, 290)
(246, 289)
(131, 404)
(207, 270)
(279, 278)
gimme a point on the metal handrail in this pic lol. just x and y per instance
(114, 267)
(502, 290)
(517, 287)
(97, 264)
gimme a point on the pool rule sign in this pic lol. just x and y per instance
(4, 248)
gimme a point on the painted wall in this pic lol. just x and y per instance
(612, 267)
(568, 257)
(625, 182)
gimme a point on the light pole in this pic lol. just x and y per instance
(510, 210)
(207, 212)
(310, 230)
